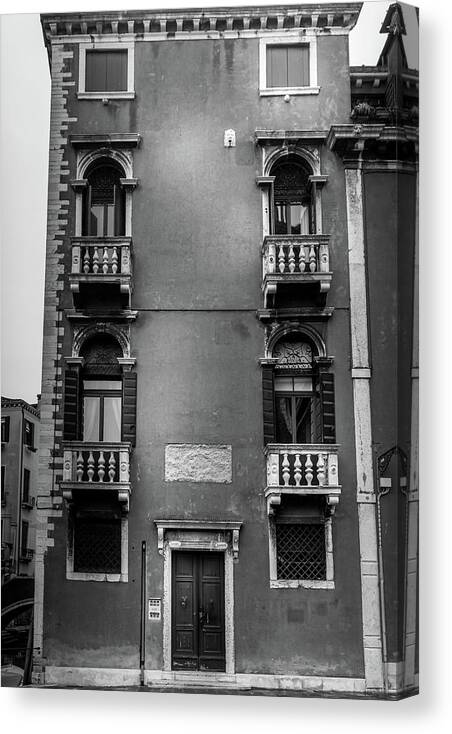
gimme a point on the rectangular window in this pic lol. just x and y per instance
(102, 410)
(26, 487)
(97, 545)
(300, 551)
(288, 65)
(29, 431)
(294, 410)
(291, 218)
(5, 429)
(24, 539)
(3, 483)
(106, 71)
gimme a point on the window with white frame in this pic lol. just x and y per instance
(97, 543)
(301, 548)
(106, 71)
(288, 65)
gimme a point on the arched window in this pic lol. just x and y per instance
(100, 393)
(296, 417)
(298, 393)
(102, 389)
(104, 202)
(292, 206)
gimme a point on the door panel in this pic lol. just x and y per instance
(198, 611)
(185, 642)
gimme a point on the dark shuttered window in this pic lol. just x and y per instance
(288, 66)
(5, 429)
(72, 422)
(326, 383)
(26, 487)
(268, 404)
(106, 71)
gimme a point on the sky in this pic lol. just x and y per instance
(24, 131)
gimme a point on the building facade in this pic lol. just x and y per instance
(221, 403)
(20, 440)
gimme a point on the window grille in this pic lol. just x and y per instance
(300, 551)
(97, 546)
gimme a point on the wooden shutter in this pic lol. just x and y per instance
(5, 429)
(326, 384)
(129, 406)
(72, 416)
(268, 402)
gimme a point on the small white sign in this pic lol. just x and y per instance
(229, 138)
(155, 609)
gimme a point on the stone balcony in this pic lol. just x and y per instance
(97, 467)
(99, 262)
(302, 469)
(294, 260)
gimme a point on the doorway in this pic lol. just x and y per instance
(198, 619)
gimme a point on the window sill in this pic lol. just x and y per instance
(112, 577)
(291, 91)
(33, 449)
(106, 95)
(301, 584)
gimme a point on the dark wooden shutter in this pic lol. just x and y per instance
(326, 384)
(5, 429)
(72, 414)
(129, 406)
(268, 402)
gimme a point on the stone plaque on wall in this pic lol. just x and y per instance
(198, 463)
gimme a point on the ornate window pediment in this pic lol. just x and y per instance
(296, 354)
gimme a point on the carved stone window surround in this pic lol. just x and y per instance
(104, 45)
(111, 147)
(120, 332)
(327, 583)
(286, 39)
(123, 577)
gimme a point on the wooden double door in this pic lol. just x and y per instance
(198, 640)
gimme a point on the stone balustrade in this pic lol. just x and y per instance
(101, 260)
(96, 466)
(302, 469)
(295, 259)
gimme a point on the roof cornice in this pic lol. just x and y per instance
(19, 403)
(186, 22)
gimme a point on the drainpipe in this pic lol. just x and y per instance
(19, 496)
(26, 680)
(143, 611)
(381, 492)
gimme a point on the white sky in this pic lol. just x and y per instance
(24, 117)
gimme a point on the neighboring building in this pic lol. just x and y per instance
(229, 369)
(20, 439)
